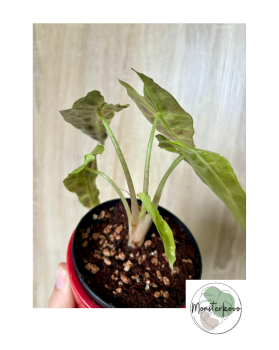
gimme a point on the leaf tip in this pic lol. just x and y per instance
(122, 83)
(136, 72)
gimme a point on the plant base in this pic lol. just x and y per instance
(120, 276)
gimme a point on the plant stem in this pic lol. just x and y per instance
(147, 162)
(159, 190)
(134, 203)
(117, 189)
(148, 155)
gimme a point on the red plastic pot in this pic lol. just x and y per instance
(83, 299)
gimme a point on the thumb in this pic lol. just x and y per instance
(62, 295)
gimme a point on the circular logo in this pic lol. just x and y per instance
(216, 308)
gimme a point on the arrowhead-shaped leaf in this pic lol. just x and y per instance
(217, 173)
(83, 182)
(162, 227)
(83, 115)
(173, 121)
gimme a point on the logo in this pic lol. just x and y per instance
(216, 308)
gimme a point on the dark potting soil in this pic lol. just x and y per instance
(133, 277)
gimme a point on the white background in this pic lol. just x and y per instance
(192, 287)
(23, 326)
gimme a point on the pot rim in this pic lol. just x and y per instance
(89, 215)
(83, 299)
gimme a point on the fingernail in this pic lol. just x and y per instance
(60, 278)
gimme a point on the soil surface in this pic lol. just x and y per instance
(139, 277)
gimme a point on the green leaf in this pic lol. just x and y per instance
(164, 141)
(222, 300)
(83, 182)
(162, 227)
(83, 115)
(173, 121)
(215, 171)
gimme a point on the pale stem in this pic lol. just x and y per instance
(140, 231)
(160, 188)
(148, 155)
(134, 203)
(117, 189)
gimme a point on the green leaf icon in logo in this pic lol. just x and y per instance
(223, 302)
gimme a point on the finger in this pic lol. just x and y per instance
(62, 295)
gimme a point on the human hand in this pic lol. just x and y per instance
(62, 295)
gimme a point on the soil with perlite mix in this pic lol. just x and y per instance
(133, 277)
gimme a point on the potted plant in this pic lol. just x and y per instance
(131, 252)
